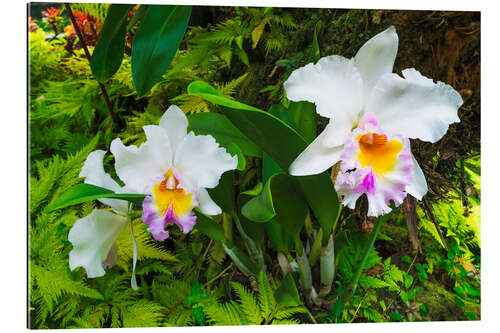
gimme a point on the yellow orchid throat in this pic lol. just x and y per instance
(379, 153)
(167, 195)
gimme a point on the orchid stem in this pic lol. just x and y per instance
(373, 236)
(327, 266)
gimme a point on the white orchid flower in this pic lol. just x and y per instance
(173, 168)
(373, 112)
(94, 236)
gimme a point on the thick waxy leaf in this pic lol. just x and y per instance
(256, 231)
(108, 53)
(283, 144)
(280, 238)
(287, 294)
(209, 227)
(260, 208)
(234, 149)
(224, 132)
(241, 260)
(282, 199)
(209, 93)
(155, 44)
(223, 195)
(213, 230)
(86, 192)
(305, 119)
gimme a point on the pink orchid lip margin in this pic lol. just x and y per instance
(157, 223)
(354, 181)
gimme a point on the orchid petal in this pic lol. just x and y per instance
(418, 187)
(140, 168)
(207, 205)
(201, 162)
(415, 106)
(93, 171)
(334, 85)
(317, 157)
(175, 122)
(93, 237)
(376, 57)
(153, 219)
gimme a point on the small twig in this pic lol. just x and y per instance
(433, 219)
(116, 120)
(399, 292)
(359, 305)
(311, 316)
(218, 275)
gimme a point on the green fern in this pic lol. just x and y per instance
(252, 309)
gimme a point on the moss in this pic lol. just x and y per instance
(441, 304)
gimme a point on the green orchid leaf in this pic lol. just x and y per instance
(224, 132)
(282, 199)
(233, 149)
(305, 119)
(85, 192)
(108, 53)
(287, 294)
(283, 144)
(256, 231)
(261, 207)
(209, 93)
(279, 237)
(241, 260)
(207, 226)
(155, 44)
(223, 194)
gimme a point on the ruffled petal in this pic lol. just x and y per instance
(334, 85)
(418, 187)
(186, 222)
(93, 171)
(175, 122)
(201, 162)
(141, 168)
(376, 57)
(317, 157)
(207, 205)
(380, 188)
(153, 219)
(415, 106)
(93, 237)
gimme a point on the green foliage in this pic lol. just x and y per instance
(245, 54)
(98, 10)
(253, 309)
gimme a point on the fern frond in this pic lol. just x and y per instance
(267, 303)
(227, 314)
(143, 313)
(229, 88)
(53, 284)
(248, 303)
